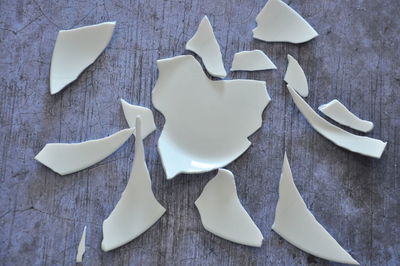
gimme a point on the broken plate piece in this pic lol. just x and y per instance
(204, 44)
(338, 112)
(132, 111)
(251, 61)
(295, 77)
(67, 158)
(223, 215)
(138, 209)
(359, 144)
(296, 224)
(207, 122)
(278, 22)
(75, 50)
(81, 247)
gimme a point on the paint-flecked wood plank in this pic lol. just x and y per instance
(355, 59)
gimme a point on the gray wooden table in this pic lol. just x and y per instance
(355, 59)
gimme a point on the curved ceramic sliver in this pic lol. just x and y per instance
(223, 215)
(138, 209)
(81, 247)
(251, 61)
(132, 111)
(359, 144)
(296, 224)
(295, 77)
(67, 158)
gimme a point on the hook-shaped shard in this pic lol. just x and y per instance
(81, 247)
(251, 61)
(295, 77)
(132, 111)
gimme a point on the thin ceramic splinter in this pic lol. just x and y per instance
(251, 61)
(132, 111)
(207, 123)
(138, 209)
(223, 215)
(67, 158)
(205, 45)
(278, 22)
(296, 224)
(359, 144)
(338, 112)
(81, 247)
(75, 50)
(295, 77)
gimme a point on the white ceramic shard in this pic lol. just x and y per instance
(75, 50)
(132, 111)
(223, 215)
(359, 144)
(204, 44)
(138, 209)
(296, 224)
(67, 158)
(252, 61)
(295, 77)
(81, 247)
(338, 112)
(207, 122)
(278, 22)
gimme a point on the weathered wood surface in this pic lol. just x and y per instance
(355, 59)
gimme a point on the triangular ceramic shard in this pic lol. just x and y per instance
(132, 111)
(359, 144)
(67, 158)
(278, 22)
(295, 77)
(75, 50)
(81, 247)
(338, 112)
(205, 45)
(251, 61)
(223, 215)
(296, 224)
(138, 209)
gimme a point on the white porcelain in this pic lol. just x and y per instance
(295, 77)
(278, 22)
(251, 61)
(81, 247)
(204, 44)
(132, 111)
(138, 209)
(223, 215)
(67, 158)
(207, 122)
(75, 50)
(359, 144)
(338, 112)
(296, 224)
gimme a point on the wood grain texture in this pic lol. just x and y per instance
(355, 59)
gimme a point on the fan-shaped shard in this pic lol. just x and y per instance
(278, 22)
(75, 50)
(251, 61)
(132, 111)
(81, 247)
(296, 224)
(67, 158)
(295, 77)
(223, 215)
(204, 44)
(359, 144)
(338, 112)
(138, 209)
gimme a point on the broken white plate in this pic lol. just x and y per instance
(278, 22)
(204, 44)
(223, 215)
(132, 111)
(295, 77)
(359, 144)
(138, 209)
(296, 224)
(75, 50)
(251, 61)
(67, 158)
(207, 122)
(81, 247)
(338, 112)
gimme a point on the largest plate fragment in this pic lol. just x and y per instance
(207, 122)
